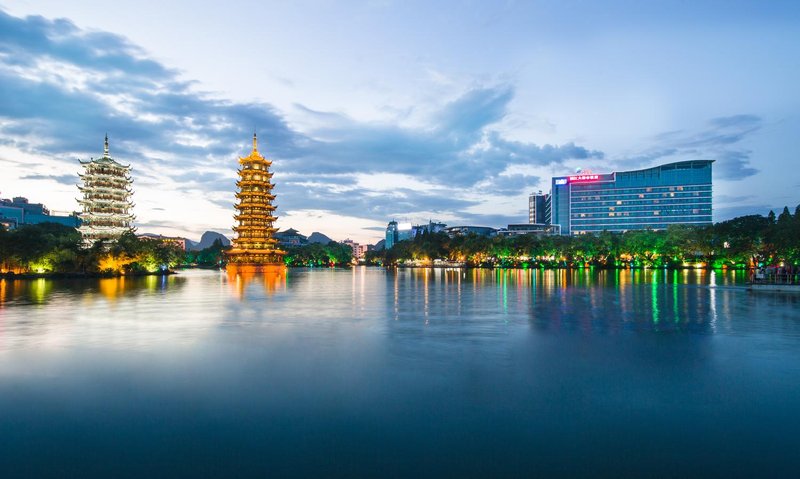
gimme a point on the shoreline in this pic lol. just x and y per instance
(79, 275)
(177, 270)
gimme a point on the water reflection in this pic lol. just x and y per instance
(503, 370)
(41, 290)
(586, 299)
(241, 282)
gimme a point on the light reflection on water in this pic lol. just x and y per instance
(376, 372)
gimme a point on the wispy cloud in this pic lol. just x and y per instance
(63, 179)
(64, 87)
(719, 140)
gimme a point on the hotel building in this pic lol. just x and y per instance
(653, 198)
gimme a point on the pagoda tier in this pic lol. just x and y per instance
(106, 204)
(254, 247)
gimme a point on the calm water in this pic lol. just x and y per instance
(367, 372)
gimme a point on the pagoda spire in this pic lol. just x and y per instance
(255, 142)
(105, 147)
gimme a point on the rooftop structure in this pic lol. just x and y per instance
(106, 203)
(254, 247)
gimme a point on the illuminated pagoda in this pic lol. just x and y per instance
(254, 248)
(106, 204)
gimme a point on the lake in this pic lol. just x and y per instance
(400, 373)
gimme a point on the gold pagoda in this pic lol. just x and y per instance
(254, 249)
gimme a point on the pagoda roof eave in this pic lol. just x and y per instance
(104, 160)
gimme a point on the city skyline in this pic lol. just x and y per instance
(375, 110)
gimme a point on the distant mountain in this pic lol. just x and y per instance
(207, 240)
(317, 237)
(380, 245)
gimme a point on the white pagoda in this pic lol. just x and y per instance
(106, 204)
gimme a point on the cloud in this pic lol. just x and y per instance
(63, 179)
(717, 141)
(508, 185)
(64, 87)
(733, 165)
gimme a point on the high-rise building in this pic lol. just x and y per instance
(254, 247)
(391, 234)
(653, 198)
(106, 203)
(537, 208)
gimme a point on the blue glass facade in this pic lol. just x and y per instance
(654, 198)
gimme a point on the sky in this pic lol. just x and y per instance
(376, 110)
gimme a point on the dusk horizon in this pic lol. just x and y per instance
(377, 123)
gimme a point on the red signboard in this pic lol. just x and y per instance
(573, 179)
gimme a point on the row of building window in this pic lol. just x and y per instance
(639, 205)
(612, 188)
(617, 228)
(644, 214)
(578, 222)
(639, 194)
(642, 196)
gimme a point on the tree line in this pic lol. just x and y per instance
(312, 254)
(56, 248)
(743, 242)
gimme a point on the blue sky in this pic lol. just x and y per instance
(377, 110)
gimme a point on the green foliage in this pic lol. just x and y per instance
(315, 254)
(42, 248)
(211, 256)
(55, 248)
(741, 242)
(746, 241)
